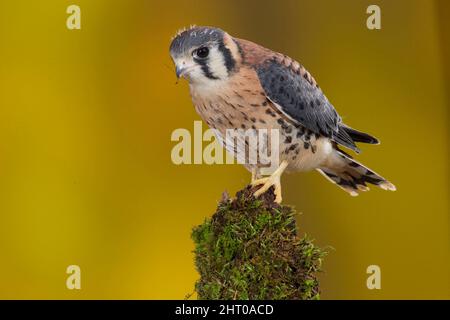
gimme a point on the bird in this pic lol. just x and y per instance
(237, 84)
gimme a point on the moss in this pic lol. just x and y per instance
(250, 249)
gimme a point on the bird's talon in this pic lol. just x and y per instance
(259, 182)
(267, 184)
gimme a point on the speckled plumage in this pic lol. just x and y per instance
(242, 85)
(242, 104)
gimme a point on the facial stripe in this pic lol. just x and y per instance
(227, 56)
(239, 49)
(218, 64)
(205, 69)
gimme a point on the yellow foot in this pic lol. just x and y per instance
(266, 184)
(273, 180)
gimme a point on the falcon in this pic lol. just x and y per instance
(237, 84)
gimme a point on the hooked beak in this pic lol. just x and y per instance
(183, 69)
(179, 71)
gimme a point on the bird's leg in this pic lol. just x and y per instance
(272, 180)
(255, 174)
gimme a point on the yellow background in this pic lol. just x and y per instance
(85, 123)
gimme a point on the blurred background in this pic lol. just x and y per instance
(86, 116)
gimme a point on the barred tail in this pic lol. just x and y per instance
(350, 175)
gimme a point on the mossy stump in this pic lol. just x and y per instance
(250, 249)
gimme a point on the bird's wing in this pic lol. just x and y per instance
(295, 93)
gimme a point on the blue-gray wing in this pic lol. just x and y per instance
(296, 94)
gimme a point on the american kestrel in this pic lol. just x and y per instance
(237, 84)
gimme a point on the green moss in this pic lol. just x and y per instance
(249, 249)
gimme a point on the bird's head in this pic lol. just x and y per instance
(204, 55)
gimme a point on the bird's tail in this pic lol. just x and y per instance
(358, 136)
(350, 175)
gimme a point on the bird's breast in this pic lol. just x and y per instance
(234, 103)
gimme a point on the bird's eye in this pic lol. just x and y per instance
(201, 53)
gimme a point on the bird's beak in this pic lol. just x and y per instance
(182, 69)
(179, 71)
